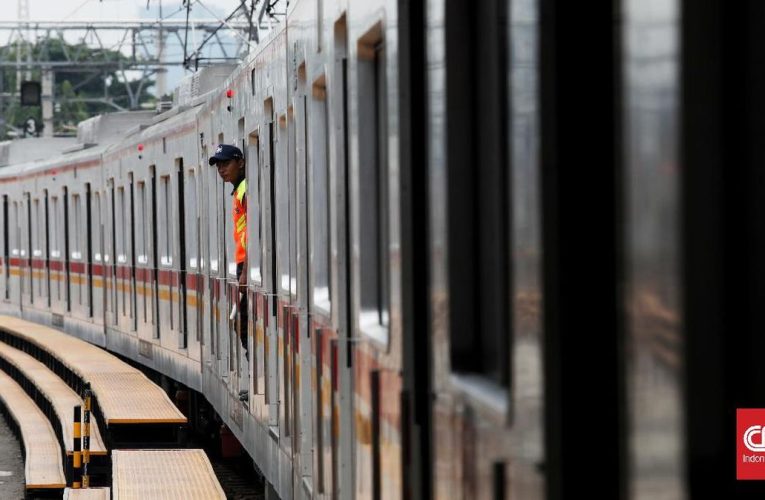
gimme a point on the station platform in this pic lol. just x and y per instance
(43, 464)
(123, 394)
(164, 474)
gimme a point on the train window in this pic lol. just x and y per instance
(165, 230)
(75, 247)
(240, 136)
(255, 225)
(120, 244)
(55, 249)
(192, 224)
(97, 238)
(120, 227)
(373, 187)
(76, 230)
(477, 189)
(320, 196)
(141, 243)
(15, 230)
(292, 196)
(281, 174)
(141, 226)
(214, 194)
(37, 242)
(37, 227)
(97, 229)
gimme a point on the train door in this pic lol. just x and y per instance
(6, 250)
(182, 254)
(211, 196)
(110, 259)
(140, 252)
(282, 171)
(46, 250)
(302, 371)
(77, 283)
(271, 303)
(205, 288)
(130, 233)
(154, 255)
(16, 258)
(97, 263)
(165, 233)
(191, 236)
(121, 258)
(88, 253)
(342, 446)
(38, 258)
(26, 250)
(416, 349)
(238, 354)
(55, 219)
(67, 256)
(216, 219)
(254, 260)
(320, 193)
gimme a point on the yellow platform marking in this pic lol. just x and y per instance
(163, 474)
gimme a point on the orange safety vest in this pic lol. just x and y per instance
(239, 212)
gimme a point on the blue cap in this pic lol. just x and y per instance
(225, 152)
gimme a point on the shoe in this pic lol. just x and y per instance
(244, 395)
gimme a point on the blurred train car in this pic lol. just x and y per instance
(431, 264)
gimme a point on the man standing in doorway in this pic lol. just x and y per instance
(229, 161)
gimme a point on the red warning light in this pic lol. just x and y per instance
(140, 147)
(230, 93)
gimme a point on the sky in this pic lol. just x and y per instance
(98, 9)
(119, 9)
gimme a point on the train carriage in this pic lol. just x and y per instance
(77, 183)
(420, 233)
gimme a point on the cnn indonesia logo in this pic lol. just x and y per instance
(750, 443)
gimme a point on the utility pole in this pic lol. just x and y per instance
(21, 46)
(47, 101)
(162, 71)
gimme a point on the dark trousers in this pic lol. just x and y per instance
(243, 313)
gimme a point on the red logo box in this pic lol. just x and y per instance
(750, 443)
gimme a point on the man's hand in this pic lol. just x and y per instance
(243, 279)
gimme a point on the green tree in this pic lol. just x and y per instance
(79, 92)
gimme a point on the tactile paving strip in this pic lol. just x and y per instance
(163, 474)
(43, 468)
(134, 398)
(87, 494)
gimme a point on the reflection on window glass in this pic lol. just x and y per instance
(652, 268)
(373, 189)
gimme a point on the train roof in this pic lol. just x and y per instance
(28, 150)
